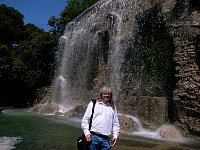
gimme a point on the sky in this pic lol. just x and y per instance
(37, 12)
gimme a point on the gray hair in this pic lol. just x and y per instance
(106, 89)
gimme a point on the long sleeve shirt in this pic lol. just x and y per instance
(105, 120)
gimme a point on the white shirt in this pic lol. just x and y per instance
(105, 120)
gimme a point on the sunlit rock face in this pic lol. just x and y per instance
(147, 51)
(170, 132)
(118, 43)
(184, 27)
(46, 108)
(127, 124)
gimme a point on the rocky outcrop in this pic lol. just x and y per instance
(187, 92)
(147, 51)
(127, 123)
(46, 108)
(185, 30)
(43, 94)
(170, 132)
(151, 111)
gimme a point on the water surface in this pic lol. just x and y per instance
(22, 130)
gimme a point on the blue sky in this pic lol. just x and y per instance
(37, 12)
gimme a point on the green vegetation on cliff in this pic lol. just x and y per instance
(71, 11)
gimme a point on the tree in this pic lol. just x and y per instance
(34, 57)
(33, 60)
(11, 25)
(5, 67)
(27, 53)
(71, 11)
(26, 57)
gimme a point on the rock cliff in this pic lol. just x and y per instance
(146, 50)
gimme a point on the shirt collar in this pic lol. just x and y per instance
(100, 102)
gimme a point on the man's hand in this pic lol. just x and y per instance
(88, 137)
(114, 140)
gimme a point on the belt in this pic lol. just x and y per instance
(99, 135)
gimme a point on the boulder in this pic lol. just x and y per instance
(170, 132)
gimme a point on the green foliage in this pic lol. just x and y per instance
(11, 25)
(157, 54)
(27, 52)
(5, 61)
(152, 56)
(26, 56)
(34, 57)
(71, 11)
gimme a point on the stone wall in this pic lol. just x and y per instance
(187, 92)
(185, 31)
(152, 112)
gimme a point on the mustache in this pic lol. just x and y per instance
(107, 97)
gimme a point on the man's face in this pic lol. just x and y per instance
(106, 95)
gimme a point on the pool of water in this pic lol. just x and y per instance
(22, 130)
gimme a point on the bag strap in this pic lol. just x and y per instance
(94, 102)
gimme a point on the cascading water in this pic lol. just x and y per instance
(61, 88)
(116, 56)
(77, 54)
(117, 43)
(165, 132)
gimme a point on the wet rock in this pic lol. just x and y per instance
(69, 113)
(80, 109)
(46, 108)
(36, 108)
(49, 108)
(170, 132)
(183, 26)
(127, 123)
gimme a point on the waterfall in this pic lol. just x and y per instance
(132, 126)
(116, 56)
(128, 45)
(80, 51)
(106, 45)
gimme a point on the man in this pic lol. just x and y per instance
(104, 122)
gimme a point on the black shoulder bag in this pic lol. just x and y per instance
(81, 142)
